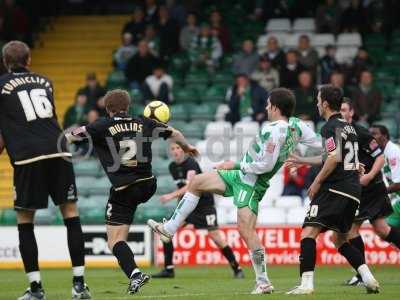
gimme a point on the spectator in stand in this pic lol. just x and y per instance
(76, 113)
(266, 75)
(308, 56)
(125, 52)
(246, 61)
(289, 74)
(15, 21)
(221, 30)
(305, 97)
(326, 17)
(353, 18)
(189, 31)
(367, 98)
(337, 79)
(92, 116)
(177, 11)
(140, 66)
(168, 31)
(151, 11)
(205, 49)
(158, 86)
(93, 90)
(361, 62)
(246, 100)
(328, 63)
(150, 36)
(274, 53)
(101, 107)
(136, 26)
(294, 180)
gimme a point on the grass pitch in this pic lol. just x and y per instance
(203, 282)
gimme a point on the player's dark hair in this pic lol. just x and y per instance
(333, 95)
(16, 55)
(117, 101)
(382, 129)
(349, 102)
(284, 99)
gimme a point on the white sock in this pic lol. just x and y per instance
(307, 280)
(136, 270)
(260, 268)
(365, 273)
(182, 211)
(78, 271)
(33, 276)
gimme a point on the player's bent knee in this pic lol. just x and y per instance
(69, 210)
(25, 216)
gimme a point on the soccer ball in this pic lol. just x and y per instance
(158, 111)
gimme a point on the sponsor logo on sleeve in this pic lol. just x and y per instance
(330, 144)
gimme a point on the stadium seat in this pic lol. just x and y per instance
(323, 39)
(246, 129)
(83, 184)
(346, 54)
(116, 79)
(194, 129)
(271, 216)
(263, 39)
(89, 167)
(160, 166)
(180, 112)
(239, 146)
(218, 129)
(349, 40)
(184, 95)
(222, 111)
(278, 25)
(165, 184)
(304, 25)
(223, 78)
(296, 215)
(8, 217)
(95, 215)
(197, 77)
(100, 186)
(159, 148)
(45, 216)
(214, 94)
(288, 202)
(203, 111)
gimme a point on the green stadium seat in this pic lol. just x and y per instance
(374, 40)
(184, 95)
(83, 184)
(8, 217)
(225, 78)
(194, 129)
(116, 79)
(165, 184)
(100, 186)
(198, 77)
(136, 109)
(87, 168)
(45, 216)
(180, 112)
(95, 215)
(159, 148)
(203, 112)
(214, 94)
(136, 97)
(160, 166)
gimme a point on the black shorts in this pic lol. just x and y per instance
(331, 211)
(36, 181)
(375, 203)
(203, 217)
(121, 205)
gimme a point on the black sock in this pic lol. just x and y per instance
(168, 249)
(308, 255)
(28, 247)
(353, 256)
(394, 237)
(228, 253)
(76, 244)
(126, 259)
(358, 243)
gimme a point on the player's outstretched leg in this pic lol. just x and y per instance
(357, 242)
(76, 248)
(116, 238)
(29, 253)
(168, 271)
(387, 233)
(227, 252)
(205, 182)
(247, 220)
(308, 254)
(357, 261)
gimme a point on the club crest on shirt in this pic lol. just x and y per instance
(330, 144)
(393, 161)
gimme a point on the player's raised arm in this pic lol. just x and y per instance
(179, 138)
(179, 192)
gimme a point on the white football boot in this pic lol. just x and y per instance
(262, 288)
(159, 228)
